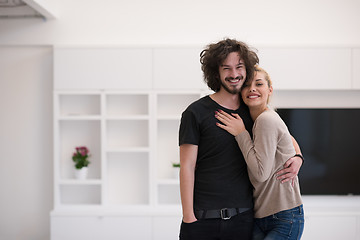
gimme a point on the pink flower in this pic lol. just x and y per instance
(80, 157)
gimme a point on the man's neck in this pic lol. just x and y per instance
(226, 99)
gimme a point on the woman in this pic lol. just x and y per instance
(278, 206)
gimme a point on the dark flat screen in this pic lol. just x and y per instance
(330, 142)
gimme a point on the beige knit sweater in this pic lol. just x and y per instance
(266, 154)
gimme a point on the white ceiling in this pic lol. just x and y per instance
(23, 9)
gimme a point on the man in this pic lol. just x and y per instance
(216, 193)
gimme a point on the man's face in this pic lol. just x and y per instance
(232, 73)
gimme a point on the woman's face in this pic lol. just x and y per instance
(256, 92)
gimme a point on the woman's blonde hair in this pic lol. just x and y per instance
(267, 76)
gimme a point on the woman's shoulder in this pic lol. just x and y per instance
(270, 118)
(268, 115)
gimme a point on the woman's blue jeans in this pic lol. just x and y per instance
(288, 224)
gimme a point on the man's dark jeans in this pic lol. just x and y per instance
(239, 227)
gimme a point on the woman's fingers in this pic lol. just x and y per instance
(236, 115)
(221, 118)
(223, 115)
(230, 122)
(226, 118)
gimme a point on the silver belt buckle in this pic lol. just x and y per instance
(224, 214)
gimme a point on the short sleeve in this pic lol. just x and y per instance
(189, 132)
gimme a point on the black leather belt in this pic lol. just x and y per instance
(225, 213)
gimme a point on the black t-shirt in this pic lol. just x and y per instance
(221, 178)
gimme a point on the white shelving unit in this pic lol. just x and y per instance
(132, 138)
(77, 121)
(169, 107)
(125, 105)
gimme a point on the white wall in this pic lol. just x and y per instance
(26, 71)
(262, 22)
(25, 142)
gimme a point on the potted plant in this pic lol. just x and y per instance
(80, 158)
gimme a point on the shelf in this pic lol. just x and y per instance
(79, 133)
(169, 117)
(127, 178)
(169, 181)
(80, 194)
(114, 211)
(168, 194)
(167, 132)
(80, 118)
(174, 104)
(80, 182)
(133, 141)
(79, 105)
(128, 117)
(127, 104)
(127, 133)
(127, 149)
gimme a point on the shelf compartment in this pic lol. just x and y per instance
(128, 149)
(80, 182)
(127, 105)
(80, 118)
(167, 147)
(79, 133)
(172, 105)
(169, 194)
(128, 178)
(170, 181)
(127, 133)
(75, 105)
(80, 194)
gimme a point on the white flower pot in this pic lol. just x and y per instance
(81, 174)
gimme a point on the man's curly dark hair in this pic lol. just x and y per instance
(214, 55)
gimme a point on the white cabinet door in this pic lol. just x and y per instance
(166, 228)
(132, 228)
(102, 68)
(356, 68)
(178, 68)
(100, 228)
(330, 227)
(307, 68)
(74, 228)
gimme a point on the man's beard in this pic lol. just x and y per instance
(233, 90)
